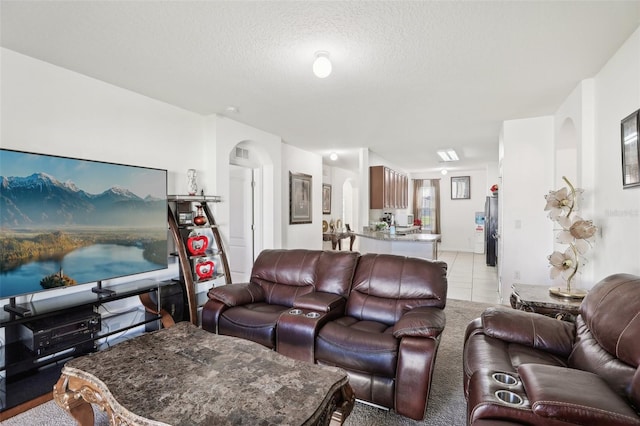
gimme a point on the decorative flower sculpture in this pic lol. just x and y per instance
(575, 231)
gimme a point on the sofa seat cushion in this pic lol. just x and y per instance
(363, 346)
(254, 321)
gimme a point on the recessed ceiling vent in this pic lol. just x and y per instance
(242, 153)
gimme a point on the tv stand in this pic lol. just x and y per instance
(15, 309)
(31, 357)
(103, 291)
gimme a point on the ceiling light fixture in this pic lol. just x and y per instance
(322, 64)
(444, 172)
(232, 109)
(448, 155)
(333, 156)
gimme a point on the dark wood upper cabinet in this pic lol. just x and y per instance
(388, 189)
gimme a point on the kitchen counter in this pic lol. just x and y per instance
(406, 242)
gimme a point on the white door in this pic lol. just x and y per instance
(240, 223)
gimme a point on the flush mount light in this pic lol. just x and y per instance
(232, 109)
(444, 172)
(322, 64)
(333, 156)
(448, 155)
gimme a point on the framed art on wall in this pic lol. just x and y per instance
(461, 188)
(629, 128)
(299, 198)
(326, 198)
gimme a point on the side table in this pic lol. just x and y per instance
(536, 298)
(336, 238)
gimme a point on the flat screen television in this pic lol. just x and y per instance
(67, 221)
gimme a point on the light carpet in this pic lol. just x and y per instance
(446, 405)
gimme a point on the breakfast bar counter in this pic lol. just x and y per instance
(411, 243)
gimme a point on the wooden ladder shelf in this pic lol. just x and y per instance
(181, 214)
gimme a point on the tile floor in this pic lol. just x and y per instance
(470, 278)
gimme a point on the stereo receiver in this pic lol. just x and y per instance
(49, 335)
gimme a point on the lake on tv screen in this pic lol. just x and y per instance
(84, 265)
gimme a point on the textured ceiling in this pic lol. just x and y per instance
(408, 77)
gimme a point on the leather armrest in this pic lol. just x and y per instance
(320, 301)
(237, 294)
(574, 396)
(424, 321)
(530, 329)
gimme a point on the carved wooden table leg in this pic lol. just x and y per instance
(342, 412)
(72, 401)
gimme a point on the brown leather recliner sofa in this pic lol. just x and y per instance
(529, 369)
(379, 317)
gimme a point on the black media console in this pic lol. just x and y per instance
(35, 346)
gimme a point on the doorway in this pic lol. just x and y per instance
(242, 222)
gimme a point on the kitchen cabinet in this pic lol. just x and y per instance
(388, 189)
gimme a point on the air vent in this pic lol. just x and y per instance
(242, 153)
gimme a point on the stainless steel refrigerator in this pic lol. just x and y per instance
(491, 230)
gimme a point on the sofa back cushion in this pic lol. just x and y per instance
(611, 311)
(334, 271)
(286, 274)
(386, 286)
(608, 333)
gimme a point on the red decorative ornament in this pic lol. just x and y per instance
(200, 219)
(197, 244)
(494, 187)
(205, 269)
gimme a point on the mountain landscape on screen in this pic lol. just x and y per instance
(40, 200)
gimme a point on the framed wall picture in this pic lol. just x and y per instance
(299, 198)
(326, 198)
(629, 128)
(460, 187)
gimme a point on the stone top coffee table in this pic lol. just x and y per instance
(184, 375)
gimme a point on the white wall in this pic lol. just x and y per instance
(617, 211)
(527, 176)
(457, 221)
(591, 115)
(574, 145)
(50, 110)
(304, 235)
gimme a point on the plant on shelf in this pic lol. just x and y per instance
(574, 231)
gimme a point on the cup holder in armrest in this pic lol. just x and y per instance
(313, 315)
(505, 379)
(508, 397)
(295, 311)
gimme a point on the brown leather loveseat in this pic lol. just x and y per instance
(530, 369)
(379, 317)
